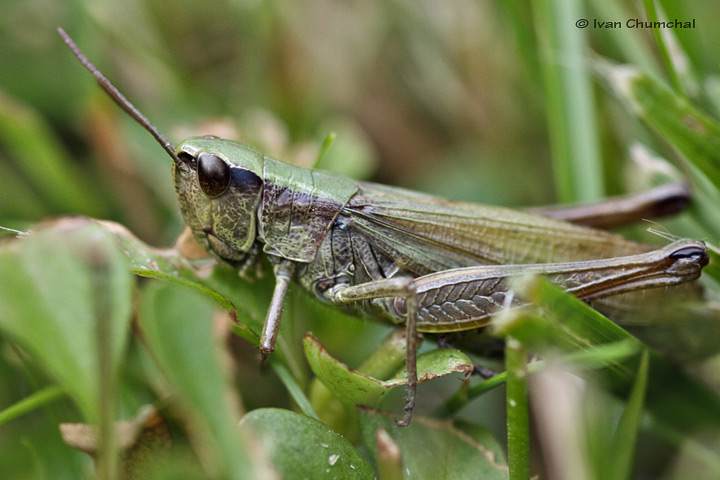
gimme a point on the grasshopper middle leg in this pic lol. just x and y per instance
(399, 287)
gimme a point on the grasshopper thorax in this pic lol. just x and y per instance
(219, 184)
(231, 196)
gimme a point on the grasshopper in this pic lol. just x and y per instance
(396, 255)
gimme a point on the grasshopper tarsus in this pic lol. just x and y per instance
(264, 361)
(410, 394)
(409, 408)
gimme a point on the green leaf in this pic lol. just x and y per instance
(570, 326)
(65, 296)
(436, 363)
(295, 391)
(432, 449)
(346, 150)
(327, 143)
(300, 447)
(676, 61)
(177, 323)
(693, 133)
(218, 282)
(356, 388)
(349, 385)
(166, 264)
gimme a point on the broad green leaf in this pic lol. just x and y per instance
(165, 264)
(356, 388)
(177, 323)
(217, 282)
(300, 447)
(432, 449)
(65, 296)
(349, 385)
(436, 363)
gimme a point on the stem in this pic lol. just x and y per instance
(294, 389)
(28, 404)
(518, 418)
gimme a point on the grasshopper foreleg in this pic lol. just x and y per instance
(283, 273)
(399, 287)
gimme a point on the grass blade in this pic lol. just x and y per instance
(518, 418)
(623, 451)
(570, 103)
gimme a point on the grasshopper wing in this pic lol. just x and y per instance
(427, 234)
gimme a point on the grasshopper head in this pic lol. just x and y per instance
(219, 186)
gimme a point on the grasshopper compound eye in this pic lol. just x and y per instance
(213, 174)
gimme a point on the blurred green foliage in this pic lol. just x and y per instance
(494, 102)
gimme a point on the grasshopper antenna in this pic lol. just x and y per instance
(119, 98)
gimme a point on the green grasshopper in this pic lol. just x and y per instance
(392, 254)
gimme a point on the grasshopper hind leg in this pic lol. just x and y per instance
(398, 287)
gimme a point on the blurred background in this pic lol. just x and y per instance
(457, 98)
(447, 98)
